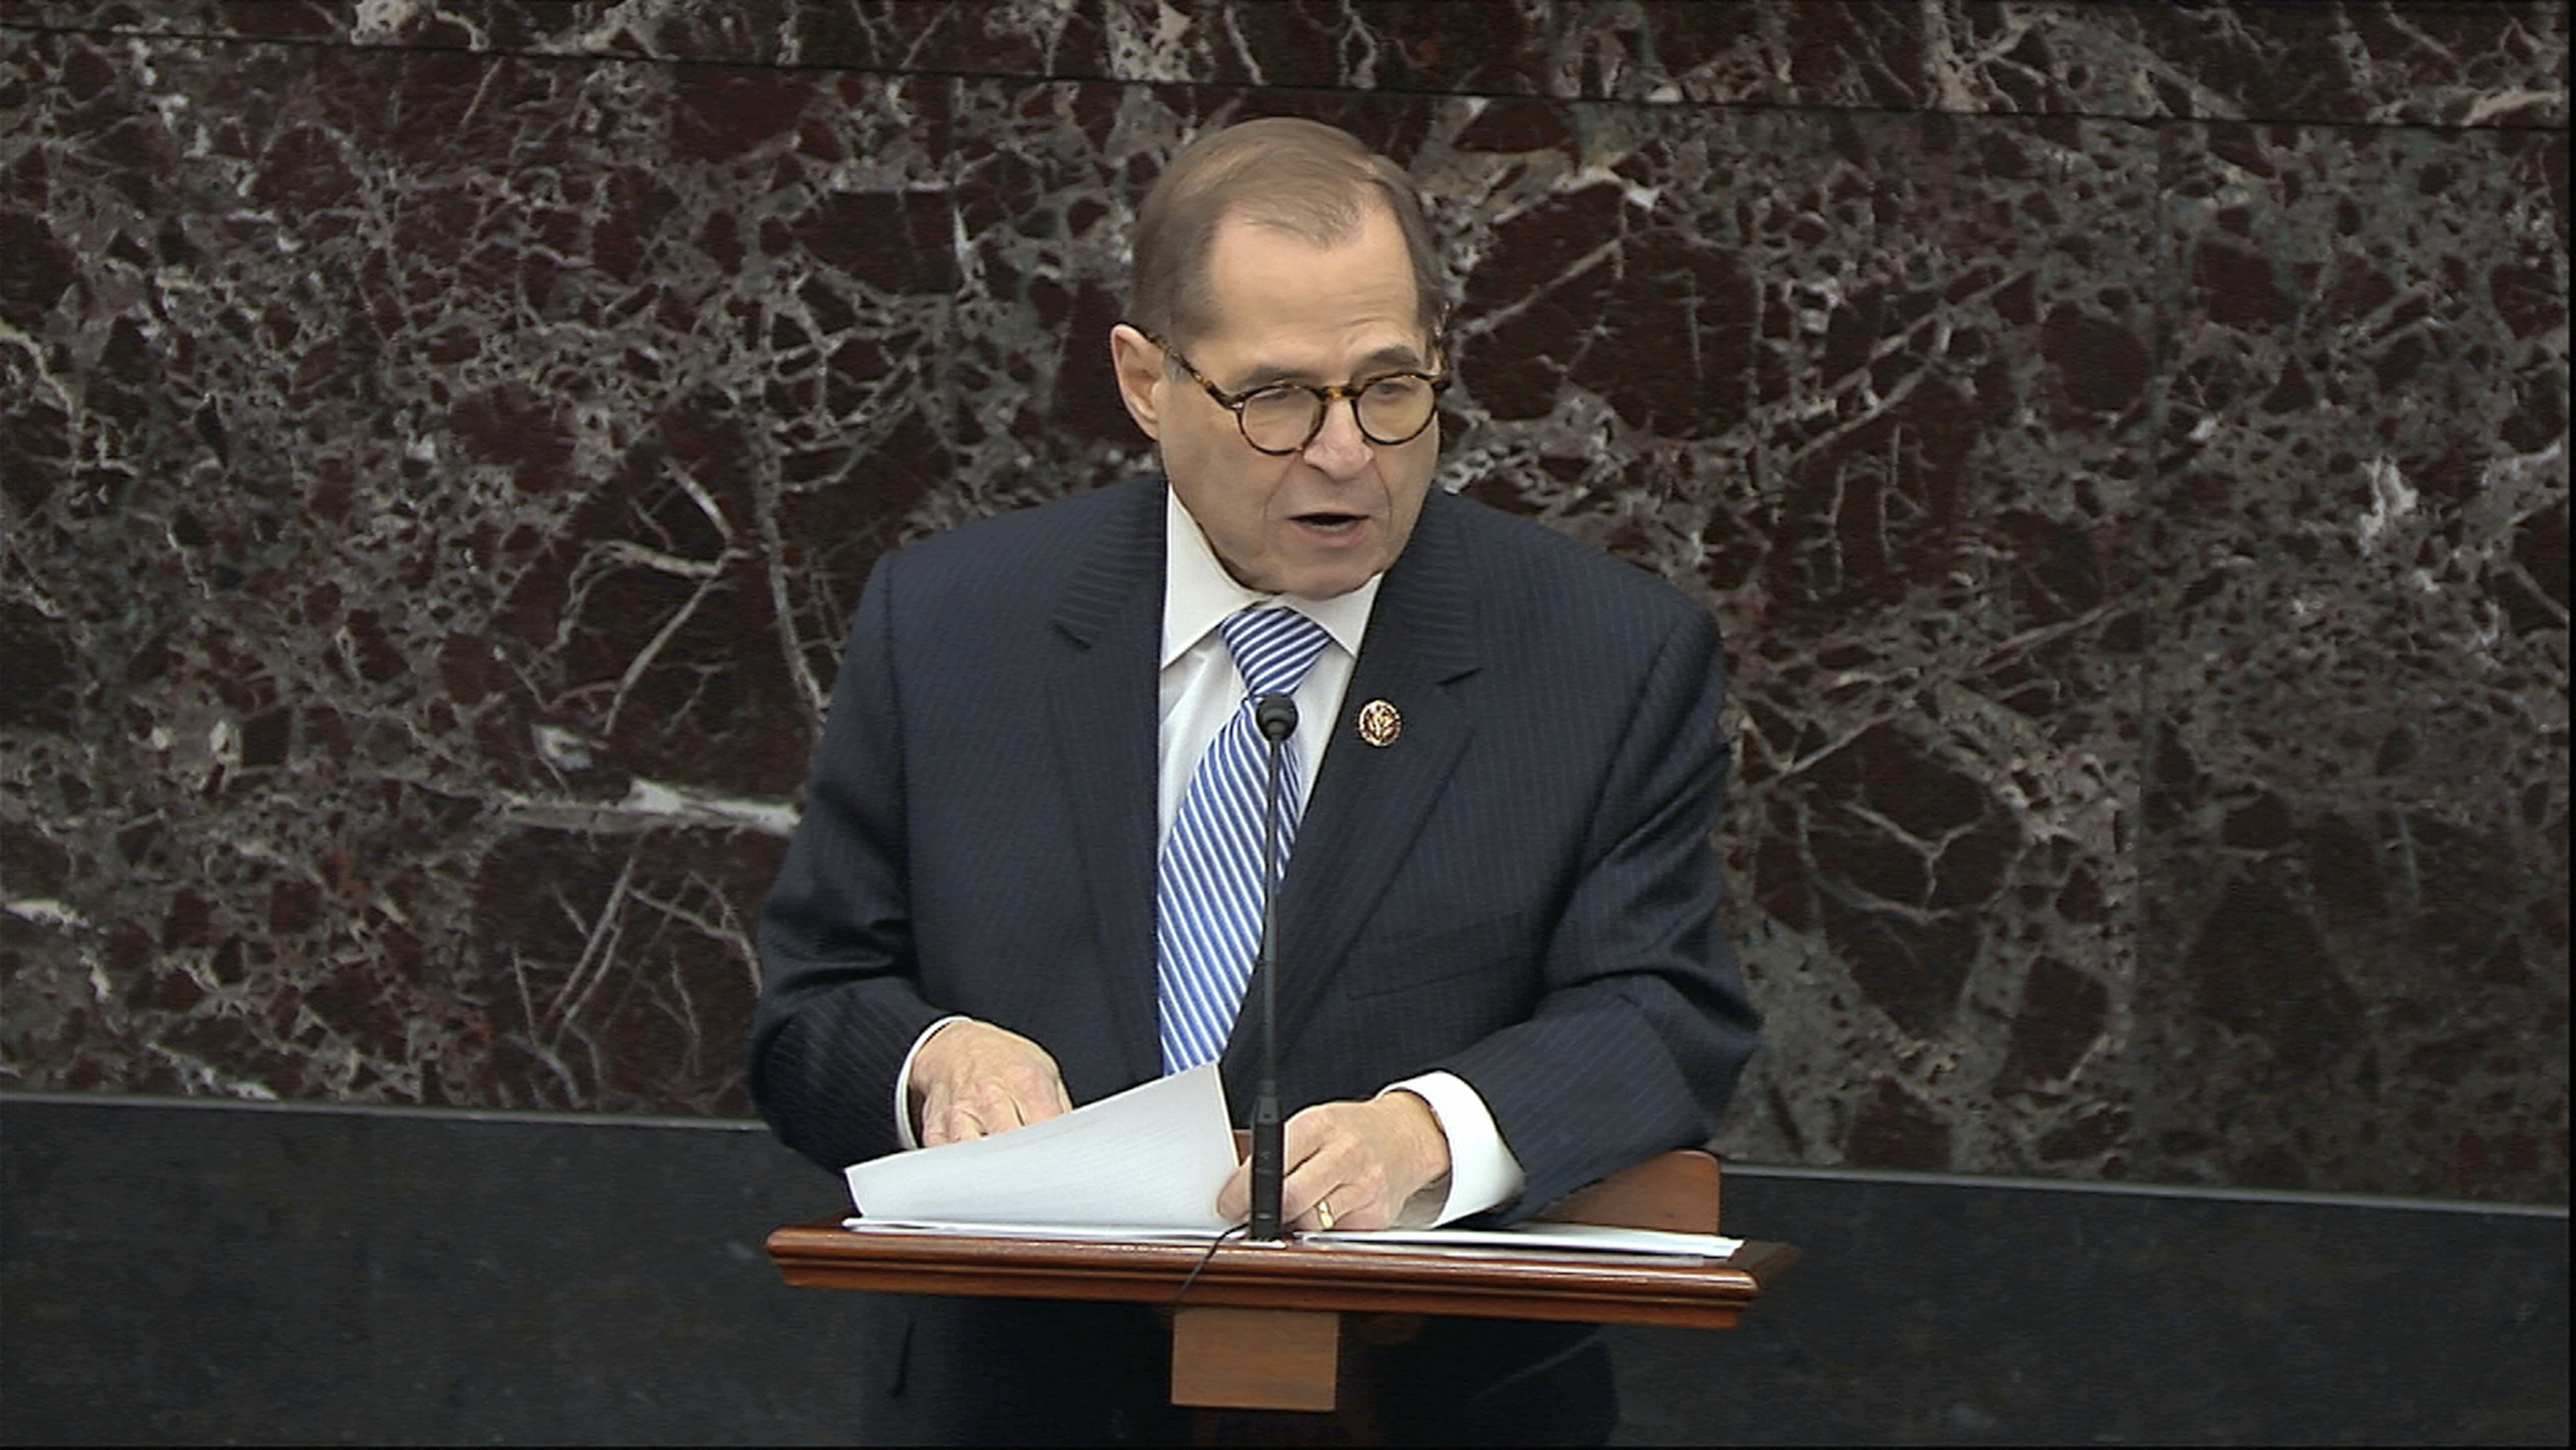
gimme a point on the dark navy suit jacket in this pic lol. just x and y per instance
(1517, 889)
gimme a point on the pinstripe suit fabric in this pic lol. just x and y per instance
(1518, 889)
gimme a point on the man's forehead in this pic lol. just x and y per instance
(1372, 225)
(1394, 358)
(1277, 297)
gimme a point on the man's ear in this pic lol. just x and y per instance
(1139, 366)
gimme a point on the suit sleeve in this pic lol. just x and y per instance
(838, 1009)
(1643, 1026)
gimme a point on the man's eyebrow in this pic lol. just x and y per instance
(1398, 357)
(1393, 358)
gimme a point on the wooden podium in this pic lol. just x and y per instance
(1275, 1326)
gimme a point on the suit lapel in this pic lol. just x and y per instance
(1101, 687)
(1369, 801)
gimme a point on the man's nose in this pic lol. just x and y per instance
(1338, 448)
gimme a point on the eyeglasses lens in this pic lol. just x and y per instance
(1390, 411)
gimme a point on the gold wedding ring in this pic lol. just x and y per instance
(1324, 1213)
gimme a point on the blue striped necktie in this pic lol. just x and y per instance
(1207, 908)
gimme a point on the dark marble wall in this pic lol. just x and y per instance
(2126, 445)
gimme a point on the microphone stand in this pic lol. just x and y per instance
(1276, 715)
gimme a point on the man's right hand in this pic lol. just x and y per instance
(973, 1079)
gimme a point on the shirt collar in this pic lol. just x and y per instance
(1198, 594)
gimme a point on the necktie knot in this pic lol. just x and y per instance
(1273, 647)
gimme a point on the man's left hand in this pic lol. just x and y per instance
(1350, 1165)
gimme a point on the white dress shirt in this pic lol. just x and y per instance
(1201, 689)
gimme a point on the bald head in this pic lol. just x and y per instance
(1302, 178)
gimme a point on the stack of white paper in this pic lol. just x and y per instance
(1149, 1159)
(1522, 1238)
(1147, 1163)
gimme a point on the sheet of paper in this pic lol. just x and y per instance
(1524, 1237)
(898, 1227)
(1152, 1157)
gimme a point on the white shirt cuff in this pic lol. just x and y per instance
(1482, 1171)
(903, 1084)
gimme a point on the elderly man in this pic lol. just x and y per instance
(1010, 892)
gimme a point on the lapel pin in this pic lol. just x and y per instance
(1380, 724)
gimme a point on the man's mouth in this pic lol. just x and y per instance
(1331, 523)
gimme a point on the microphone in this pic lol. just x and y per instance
(1276, 717)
